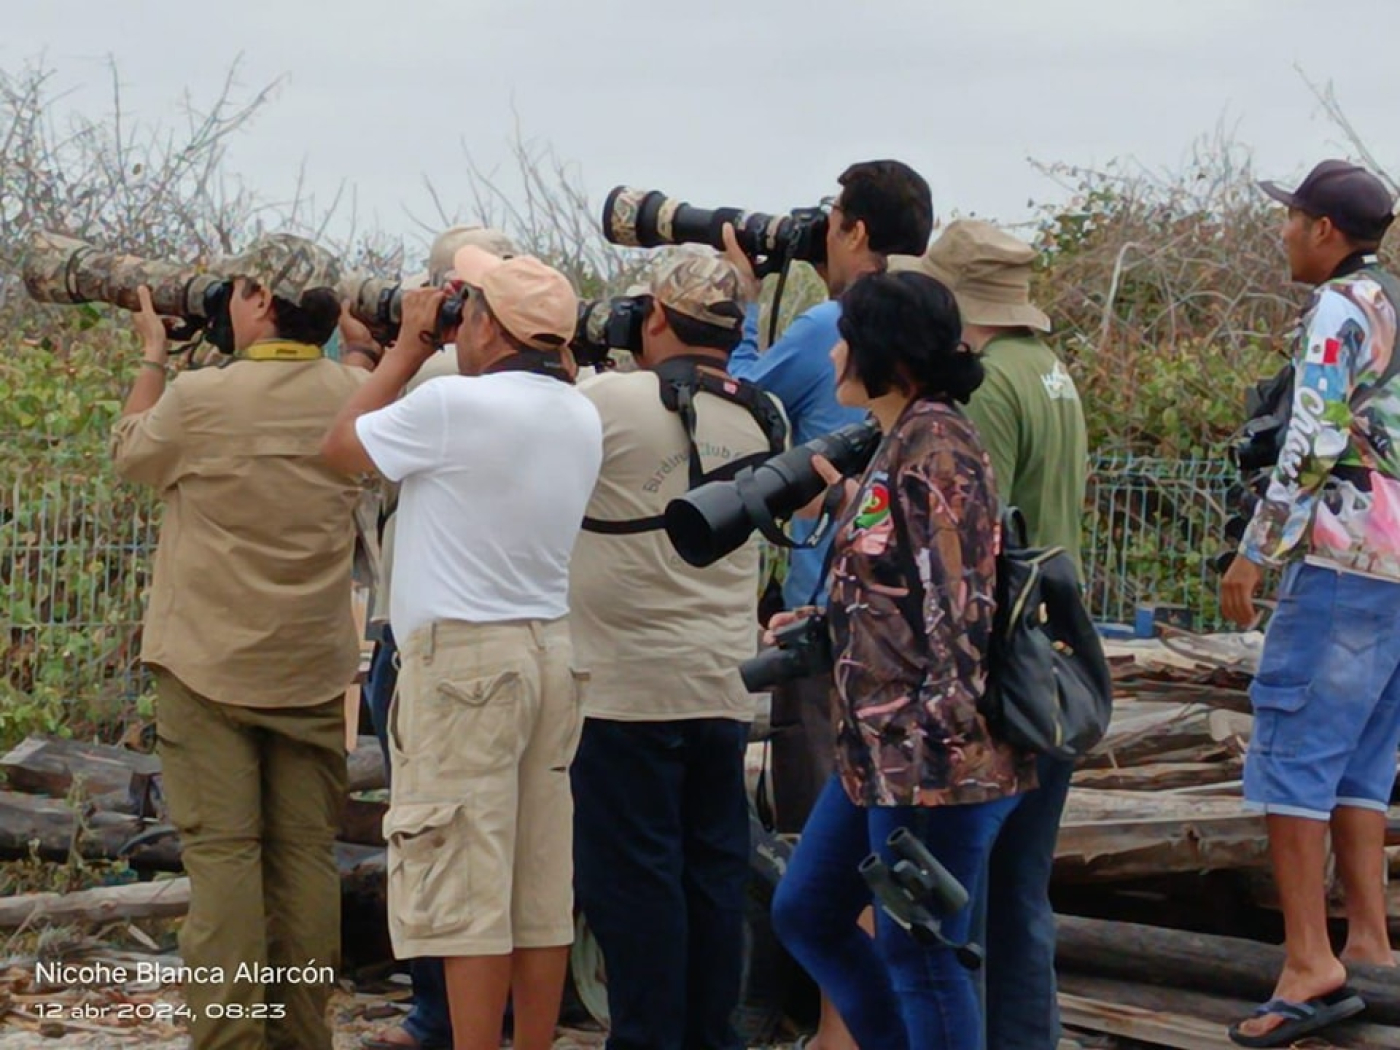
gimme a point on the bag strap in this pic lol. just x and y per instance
(1391, 287)
(679, 381)
(911, 603)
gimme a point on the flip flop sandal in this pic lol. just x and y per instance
(1301, 1019)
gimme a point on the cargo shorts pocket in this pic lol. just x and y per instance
(428, 869)
(473, 725)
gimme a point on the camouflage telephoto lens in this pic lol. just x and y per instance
(59, 269)
(636, 218)
(376, 302)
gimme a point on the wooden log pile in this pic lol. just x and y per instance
(103, 802)
(1169, 927)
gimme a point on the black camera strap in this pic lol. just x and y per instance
(680, 379)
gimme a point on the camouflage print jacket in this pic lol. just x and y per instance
(909, 731)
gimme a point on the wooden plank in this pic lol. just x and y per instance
(1158, 776)
(49, 825)
(164, 898)
(1114, 835)
(362, 821)
(366, 766)
(1212, 1010)
(1200, 962)
(47, 765)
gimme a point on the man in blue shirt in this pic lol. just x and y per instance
(884, 208)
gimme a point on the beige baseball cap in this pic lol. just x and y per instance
(532, 301)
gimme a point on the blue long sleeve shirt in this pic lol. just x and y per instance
(797, 370)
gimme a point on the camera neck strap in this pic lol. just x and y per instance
(680, 379)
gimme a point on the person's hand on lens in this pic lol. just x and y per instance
(747, 279)
(418, 330)
(152, 328)
(780, 620)
(831, 476)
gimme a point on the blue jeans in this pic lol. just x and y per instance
(1017, 921)
(661, 864)
(892, 992)
(429, 1021)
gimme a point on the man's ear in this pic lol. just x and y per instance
(262, 303)
(655, 323)
(859, 234)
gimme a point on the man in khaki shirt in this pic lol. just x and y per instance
(661, 839)
(250, 634)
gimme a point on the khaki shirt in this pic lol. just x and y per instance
(250, 596)
(661, 639)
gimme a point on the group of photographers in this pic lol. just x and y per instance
(558, 692)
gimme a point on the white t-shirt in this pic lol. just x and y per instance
(661, 639)
(496, 473)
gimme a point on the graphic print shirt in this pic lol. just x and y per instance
(1334, 496)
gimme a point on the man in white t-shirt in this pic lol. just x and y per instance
(496, 467)
(661, 843)
(427, 1025)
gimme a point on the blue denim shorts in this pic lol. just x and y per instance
(1326, 697)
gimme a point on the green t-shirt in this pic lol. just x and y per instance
(1028, 413)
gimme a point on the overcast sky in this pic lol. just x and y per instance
(758, 105)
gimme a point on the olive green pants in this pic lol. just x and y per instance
(256, 796)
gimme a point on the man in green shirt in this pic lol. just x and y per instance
(1028, 413)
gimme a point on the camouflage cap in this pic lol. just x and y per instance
(705, 288)
(445, 246)
(284, 264)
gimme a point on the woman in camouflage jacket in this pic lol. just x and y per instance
(912, 752)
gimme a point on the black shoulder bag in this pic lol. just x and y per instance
(1049, 690)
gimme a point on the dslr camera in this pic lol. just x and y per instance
(603, 324)
(636, 218)
(801, 649)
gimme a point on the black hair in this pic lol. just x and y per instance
(1356, 243)
(903, 330)
(894, 202)
(312, 319)
(692, 332)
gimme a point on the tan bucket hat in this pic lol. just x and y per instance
(986, 269)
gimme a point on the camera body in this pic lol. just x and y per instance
(608, 324)
(801, 649)
(637, 218)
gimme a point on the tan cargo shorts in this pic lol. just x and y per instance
(482, 730)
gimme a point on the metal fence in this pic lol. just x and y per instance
(74, 564)
(1151, 530)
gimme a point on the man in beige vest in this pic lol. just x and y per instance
(250, 635)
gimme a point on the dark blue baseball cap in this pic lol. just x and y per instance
(1358, 203)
